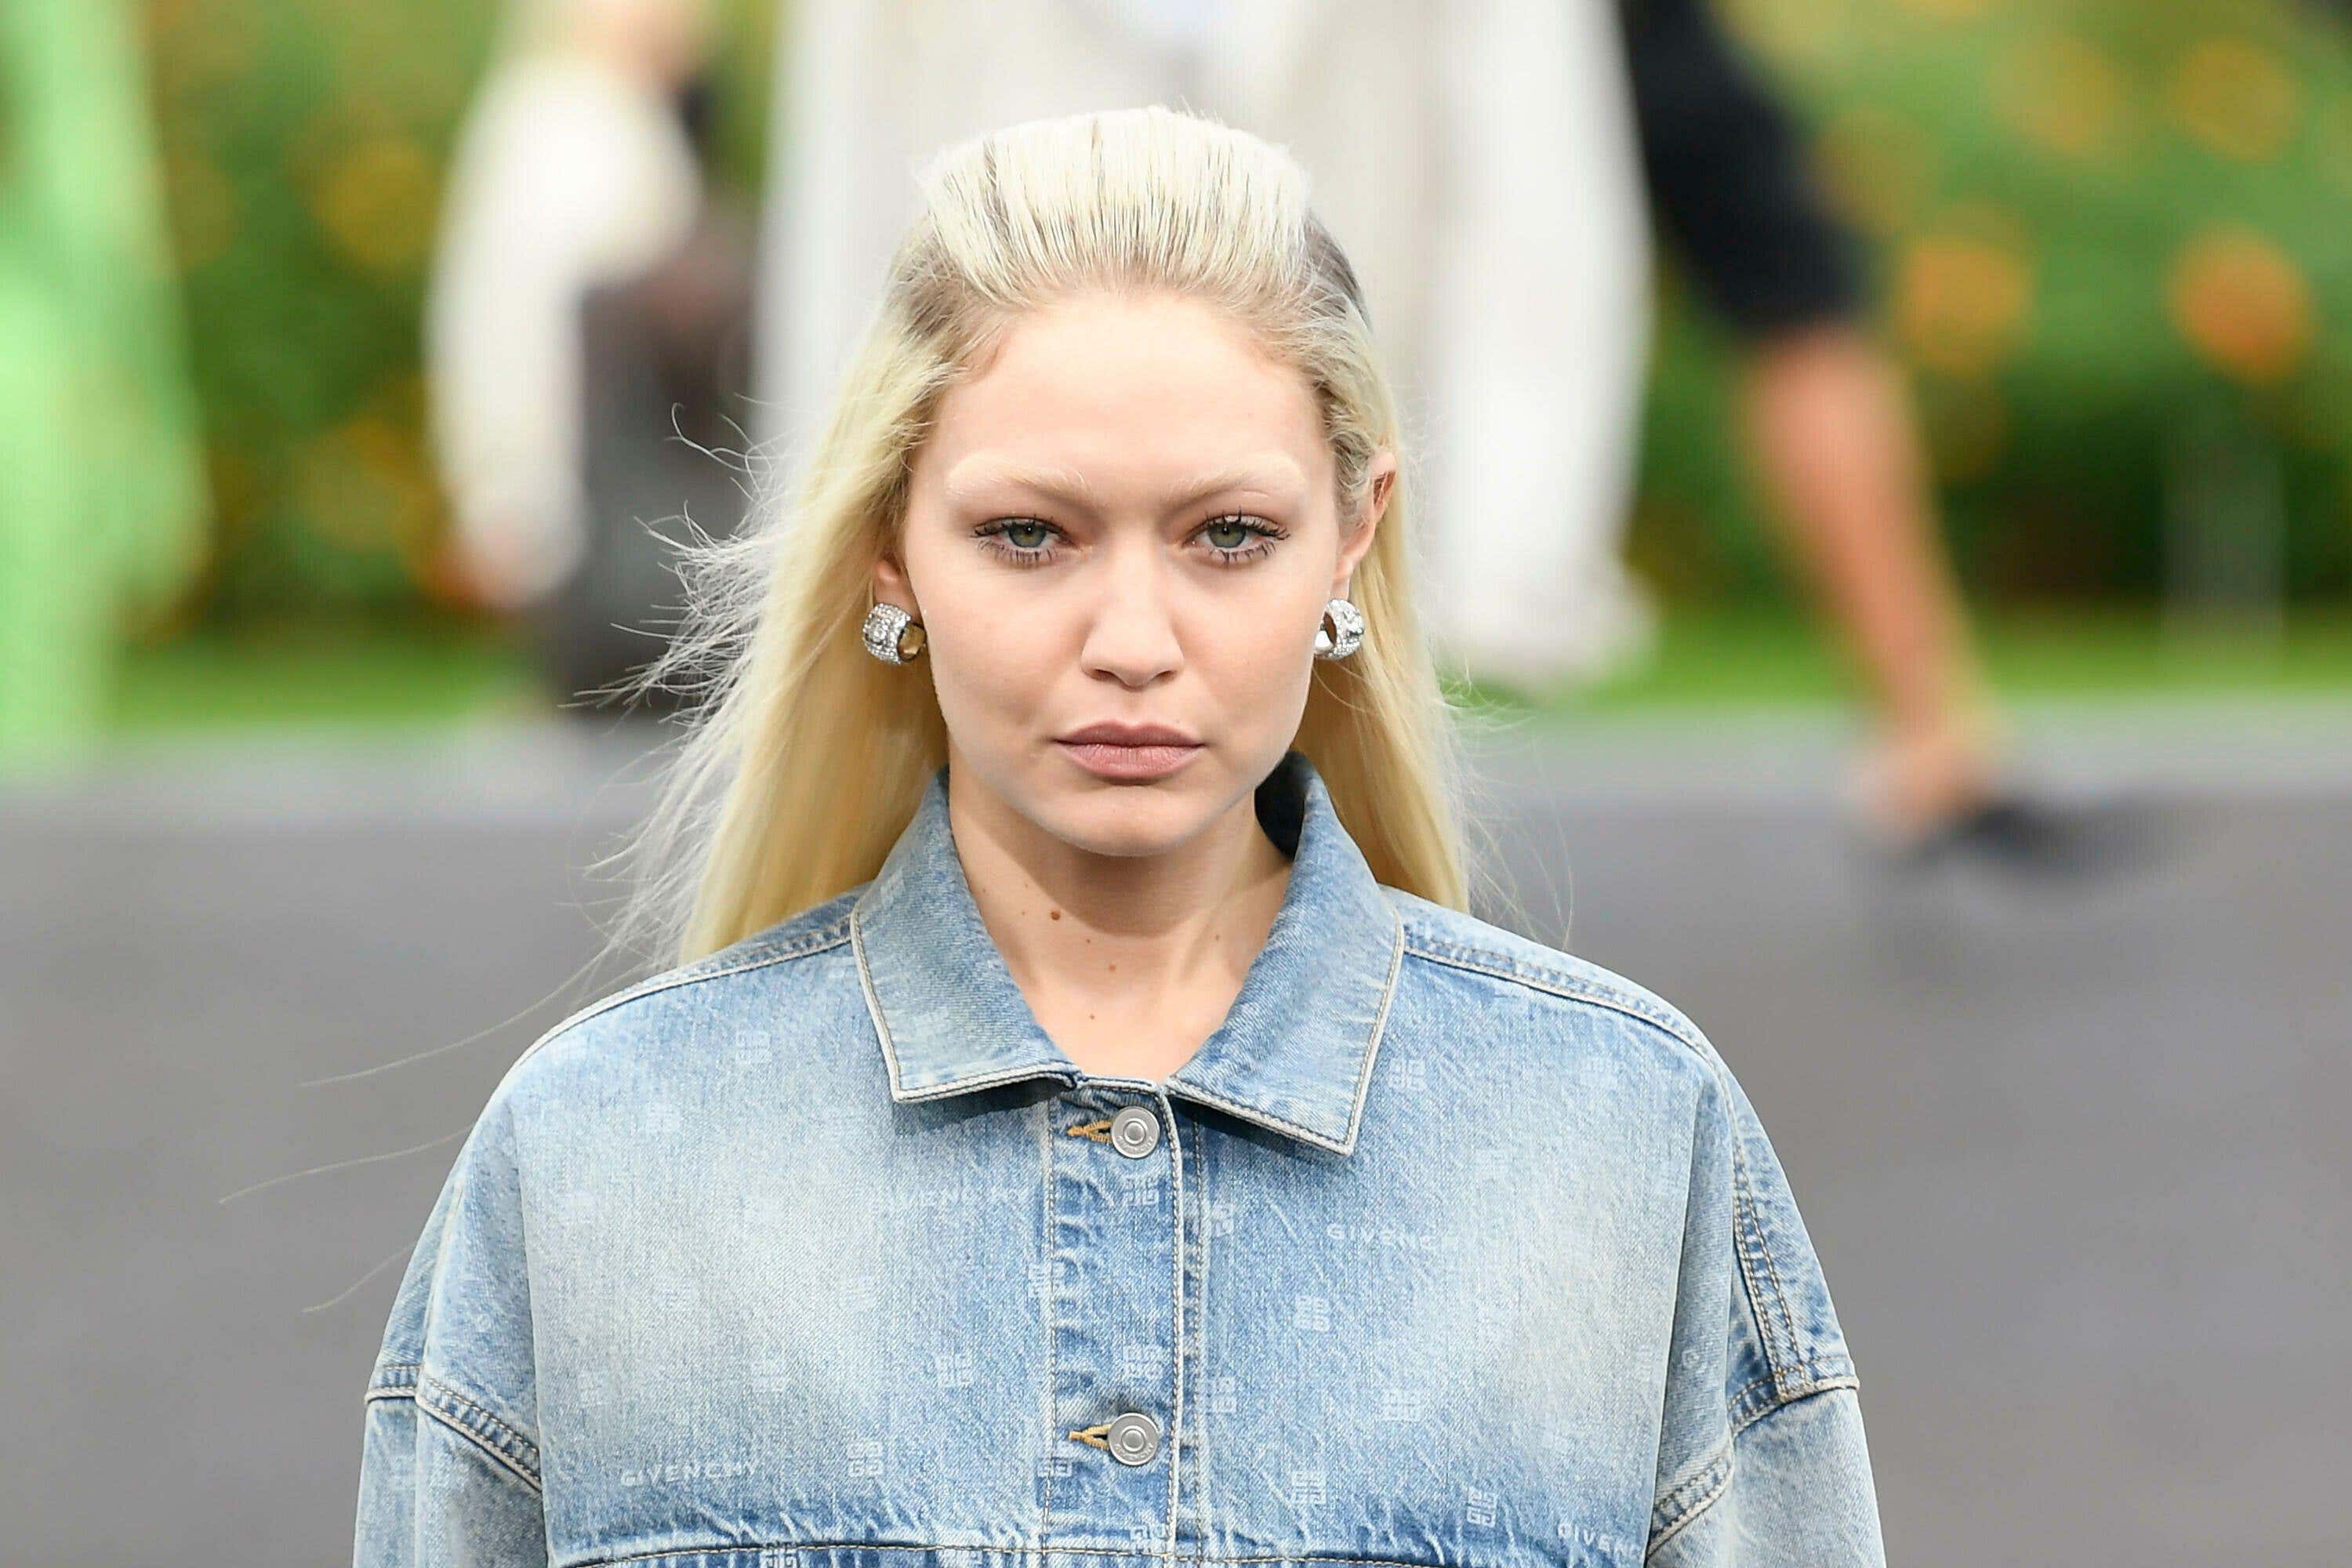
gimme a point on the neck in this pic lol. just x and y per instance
(1108, 946)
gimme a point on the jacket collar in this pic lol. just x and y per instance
(1294, 1054)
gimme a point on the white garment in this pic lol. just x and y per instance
(1476, 159)
(566, 176)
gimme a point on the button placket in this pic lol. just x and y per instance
(1116, 1245)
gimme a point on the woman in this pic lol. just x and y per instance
(575, 169)
(1083, 1118)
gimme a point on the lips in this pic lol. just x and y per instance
(1129, 753)
(1128, 735)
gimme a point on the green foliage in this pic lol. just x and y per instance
(2101, 233)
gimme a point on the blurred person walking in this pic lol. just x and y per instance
(104, 510)
(1478, 164)
(1835, 442)
(587, 293)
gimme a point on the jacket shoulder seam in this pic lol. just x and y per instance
(829, 934)
(1551, 982)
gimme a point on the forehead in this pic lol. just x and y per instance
(1155, 389)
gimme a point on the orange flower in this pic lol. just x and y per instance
(2236, 99)
(1960, 301)
(2242, 304)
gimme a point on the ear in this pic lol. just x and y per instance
(1381, 473)
(891, 587)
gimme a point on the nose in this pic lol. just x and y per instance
(1132, 636)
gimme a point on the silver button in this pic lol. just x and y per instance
(1134, 1131)
(1134, 1438)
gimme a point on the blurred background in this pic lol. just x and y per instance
(1993, 378)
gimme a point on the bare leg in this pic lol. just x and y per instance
(1833, 433)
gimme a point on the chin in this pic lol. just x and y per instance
(1131, 819)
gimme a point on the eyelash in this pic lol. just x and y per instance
(1267, 533)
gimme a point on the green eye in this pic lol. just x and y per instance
(1256, 538)
(1000, 537)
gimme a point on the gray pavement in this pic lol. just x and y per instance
(2077, 1165)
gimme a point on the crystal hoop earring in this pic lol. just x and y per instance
(891, 635)
(1344, 633)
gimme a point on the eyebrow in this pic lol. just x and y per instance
(972, 476)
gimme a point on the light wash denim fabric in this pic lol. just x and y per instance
(1447, 1247)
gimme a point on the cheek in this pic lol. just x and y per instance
(989, 657)
(983, 647)
(1259, 646)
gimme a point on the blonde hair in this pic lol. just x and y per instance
(804, 756)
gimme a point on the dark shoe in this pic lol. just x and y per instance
(2016, 834)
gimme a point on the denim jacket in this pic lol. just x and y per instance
(1445, 1248)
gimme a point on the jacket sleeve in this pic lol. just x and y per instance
(450, 1465)
(1762, 1461)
